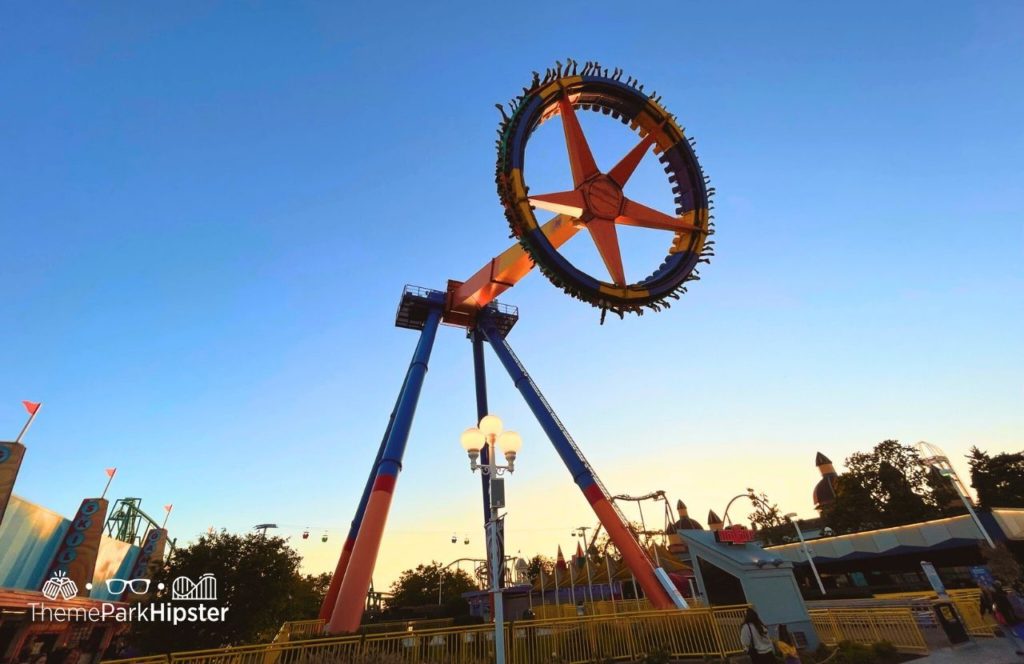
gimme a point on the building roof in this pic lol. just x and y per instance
(824, 491)
(688, 523)
(915, 537)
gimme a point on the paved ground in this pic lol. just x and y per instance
(984, 651)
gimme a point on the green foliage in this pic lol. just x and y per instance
(999, 479)
(659, 655)
(886, 487)
(538, 563)
(768, 520)
(308, 595)
(419, 588)
(1001, 562)
(258, 581)
(944, 496)
(848, 652)
(884, 651)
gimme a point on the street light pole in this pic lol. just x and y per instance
(791, 517)
(581, 532)
(473, 439)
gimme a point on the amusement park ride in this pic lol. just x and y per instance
(597, 204)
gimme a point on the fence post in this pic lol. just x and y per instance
(873, 622)
(837, 632)
(717, 629)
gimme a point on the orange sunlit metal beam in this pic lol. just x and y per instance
(503, 271)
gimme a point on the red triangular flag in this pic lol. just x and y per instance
(111, 471)
(579, 554)
(31, 407)
(560, 562)
(168, 507)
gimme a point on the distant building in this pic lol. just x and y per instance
(825, 490)
(53, 567)
(889, 559)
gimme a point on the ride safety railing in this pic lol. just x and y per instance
(603, 607)
(624, 637)
(299, 630)
(896, 625)
(154, 659)
(966, 600)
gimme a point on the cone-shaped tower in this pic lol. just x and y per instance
(714, 521)
(685, 522)
(825, 489)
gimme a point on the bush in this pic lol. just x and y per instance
(885, 651)
(848, 652)
(659, 656)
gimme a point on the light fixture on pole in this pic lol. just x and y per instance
(490, 431)
(791, 517)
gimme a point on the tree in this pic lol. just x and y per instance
(538, 563)
(767, 519)
(257, 581)
(888, 486)
(309, 595)
(416, 588)
(999, 479)
(1001, 562)
(944, 496)
(853, 508)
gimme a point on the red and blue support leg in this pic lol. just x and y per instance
(327, 608)
(634, 556)
(348, 609)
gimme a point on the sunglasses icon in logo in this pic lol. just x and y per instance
(118, 586)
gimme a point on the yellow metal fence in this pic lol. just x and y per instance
(604, 607)
(689, 633)
(966, 600)
(297, 630)
(896, 625)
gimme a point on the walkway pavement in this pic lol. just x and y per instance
(983, 651)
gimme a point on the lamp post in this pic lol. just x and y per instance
(791, 517)
(490, 431)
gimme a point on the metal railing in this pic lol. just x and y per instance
(300, 629)
(629, 636)
(896, 625)
(602, 607)
(966, 600)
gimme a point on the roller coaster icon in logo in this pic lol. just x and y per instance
(59, 585)
(205, 589)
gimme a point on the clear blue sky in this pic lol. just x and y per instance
(207, 213)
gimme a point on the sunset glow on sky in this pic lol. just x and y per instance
(209, 212)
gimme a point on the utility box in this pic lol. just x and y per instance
(497, 492)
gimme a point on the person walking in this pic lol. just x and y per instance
(1007, 618)
(755, 640)
(787, 646)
